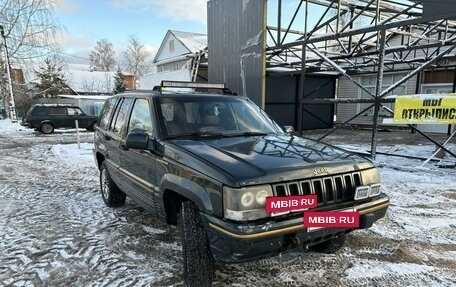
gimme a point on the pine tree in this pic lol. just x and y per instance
(119, 84)
(51, 80)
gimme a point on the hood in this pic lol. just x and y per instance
(256, 160)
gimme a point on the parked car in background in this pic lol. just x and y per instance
(48, 117)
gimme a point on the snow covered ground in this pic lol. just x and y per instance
(56, 231)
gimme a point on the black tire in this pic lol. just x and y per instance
(111, 194)
(47, 128)
(198, 263)
(330, 246)
(92, 127)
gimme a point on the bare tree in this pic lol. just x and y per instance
(137, 59)
(29, 32)
(98, 85)
(30, 28)
(102, 58)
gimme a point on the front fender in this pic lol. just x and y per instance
(188, 189)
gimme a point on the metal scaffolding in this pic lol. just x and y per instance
(350, 37)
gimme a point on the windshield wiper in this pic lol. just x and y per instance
(246, 134)
(197, 134)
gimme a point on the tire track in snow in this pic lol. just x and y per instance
(56, 229)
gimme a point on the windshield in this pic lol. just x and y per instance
(212, 115)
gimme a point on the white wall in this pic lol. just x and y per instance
(166, 53)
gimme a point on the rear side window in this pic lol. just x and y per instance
(74, 112)
(140, 119)
(57, 111)
(106, 113)
(119, 124)
(40, 111)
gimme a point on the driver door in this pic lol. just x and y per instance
(138, 166)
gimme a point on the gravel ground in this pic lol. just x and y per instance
(56, 231)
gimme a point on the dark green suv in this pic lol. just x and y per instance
(209, 161)
(47, 117)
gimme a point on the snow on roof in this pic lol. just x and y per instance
(77, 66)
(148, 82)
(194, 42)
(90, 81)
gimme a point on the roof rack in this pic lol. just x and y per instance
(193, 85)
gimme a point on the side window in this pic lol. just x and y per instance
(74, 112)
(40, 111)
(140, 117)
(57, 111)
(120, 124)
(171, 45)
(106, 112)
(116, 114)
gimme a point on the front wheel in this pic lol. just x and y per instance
(112, 195)
(198, 261)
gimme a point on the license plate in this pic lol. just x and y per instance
(311, 229)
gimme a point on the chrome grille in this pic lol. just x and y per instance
(329, 189)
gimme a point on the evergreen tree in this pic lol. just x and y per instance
(51, 80)
(119, 84)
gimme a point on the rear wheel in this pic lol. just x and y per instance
(197, 256)
(112, 195)
(47, 128)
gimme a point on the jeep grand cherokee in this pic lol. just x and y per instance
(209, 161)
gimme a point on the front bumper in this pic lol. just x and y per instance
(233, 242)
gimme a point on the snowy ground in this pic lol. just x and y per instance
(56, 231)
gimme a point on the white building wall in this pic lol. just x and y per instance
(173, 66)
(166, 52)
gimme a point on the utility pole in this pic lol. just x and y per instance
(10, 104)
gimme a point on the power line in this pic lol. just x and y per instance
(70, 55)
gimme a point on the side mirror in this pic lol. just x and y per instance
(137, 140)
(288, 130)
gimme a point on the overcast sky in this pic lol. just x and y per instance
(87, 21)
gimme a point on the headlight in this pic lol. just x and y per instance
(362, 192)
(371, 184)
(261, 197)
(366, 191)
(374, 190)
(246, 203)
(247, 199)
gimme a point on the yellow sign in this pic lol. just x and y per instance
(425, 109)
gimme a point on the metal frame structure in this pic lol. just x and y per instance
(351, 38)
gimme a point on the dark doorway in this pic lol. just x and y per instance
(282, 100)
